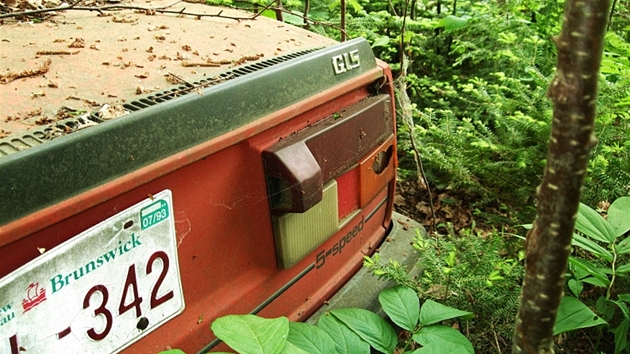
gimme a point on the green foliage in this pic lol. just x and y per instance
(478, 79)
(346, 340)
(252, 334)
(482, 116)
(369, 327)
(609, 169)
(477, 273)
(604, 265)
(348, 330)
(573, 315)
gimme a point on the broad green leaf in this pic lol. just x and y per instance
(402, 306)
(624, 297)
(578, 272)
(290, 348)
(595, 281)
(310, 338)
(624, 268)
(370, 327)
(605, 308)
(318, 15)
(172, 351)
(440, 337)
(591, 246)
(573, 314)
(293, 19)
(355, 5)
(621, 337)
(346, 341)
(452, 22)
(575, 286)
(619, 215)
(439, 348)
(623, 247)
(381, 42)
(434, 312)
(624, 309)
(591, 269)
(249, 334)
(269, 13)
(593, 225)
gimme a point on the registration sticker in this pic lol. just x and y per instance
(99, 291)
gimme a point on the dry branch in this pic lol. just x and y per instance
(10, 76)
(101, 9)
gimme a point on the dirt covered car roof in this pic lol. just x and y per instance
(76, 61)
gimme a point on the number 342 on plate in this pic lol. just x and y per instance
(100, 291)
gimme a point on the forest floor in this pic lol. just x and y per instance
(449, 206)
(458, 209)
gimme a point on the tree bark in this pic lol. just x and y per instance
(278, 9)
(307, 8)
(573, 93)
(343, 20)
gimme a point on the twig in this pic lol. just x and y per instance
(314, 22)
(74, 7)
(407, 116)
(192, 87)
(404, 103)
(180, 79)
(496, 339)
(34, 12)
(263, 10)
(8, 77)
(101, 9)
(304, 17)
(220, 14)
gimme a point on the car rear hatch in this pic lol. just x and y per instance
(255, 190)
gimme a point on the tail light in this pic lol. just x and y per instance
(320, 177)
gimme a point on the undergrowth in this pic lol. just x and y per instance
(469, 271)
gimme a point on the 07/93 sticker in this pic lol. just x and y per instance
(100, 291)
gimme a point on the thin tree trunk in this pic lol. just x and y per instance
(573, 93)
(438, 30)
(612, 11)
(343, 20)
(307, 8)
(278, 10)
(414, 8)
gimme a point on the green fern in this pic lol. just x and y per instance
(475, 272)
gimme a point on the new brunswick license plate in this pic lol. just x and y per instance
(98, 292)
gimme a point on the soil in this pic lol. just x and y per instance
(413, 200)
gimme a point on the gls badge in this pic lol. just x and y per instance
(346, 61)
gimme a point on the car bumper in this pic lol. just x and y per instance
(363, 289)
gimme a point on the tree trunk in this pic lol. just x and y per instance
(307, 8)
(343, 20)
(278, 10)
(573, 93)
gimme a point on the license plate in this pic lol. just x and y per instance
(100, 291)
